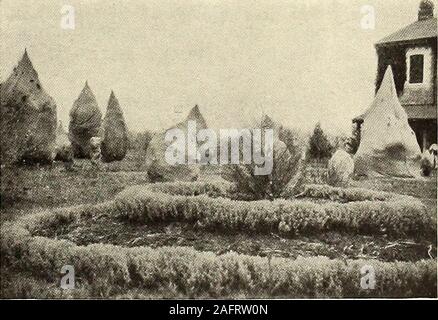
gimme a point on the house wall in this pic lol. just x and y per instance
(425, 131)
(419, 93)
(398, 56)
(394, 54)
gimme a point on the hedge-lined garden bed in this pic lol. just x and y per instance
(353, 211)
(111, 270)
(332, 244)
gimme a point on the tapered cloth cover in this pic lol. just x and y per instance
(85, 122)
(28, 117)
(388, 144)
(115, 132)
(158, 168)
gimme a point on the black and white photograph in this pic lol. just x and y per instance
(226, 150)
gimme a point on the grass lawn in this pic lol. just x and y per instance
(53, 186)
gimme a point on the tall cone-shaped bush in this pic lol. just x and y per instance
(388, 144)
(85, 122)
(115, 132)
(28, 117)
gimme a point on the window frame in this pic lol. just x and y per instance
(411, 58)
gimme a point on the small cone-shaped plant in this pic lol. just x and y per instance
(115, 133)
(85, 122)
(319, 145)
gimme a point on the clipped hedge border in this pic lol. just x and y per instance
(319, 191)
(203, 203)
(110, 270)
(215, 189)
(365, 211)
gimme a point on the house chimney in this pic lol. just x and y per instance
(426, 10)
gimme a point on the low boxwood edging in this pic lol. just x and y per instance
(215, 189)
(320, 191)
(109, 270)
(392, 214)
(397, 215)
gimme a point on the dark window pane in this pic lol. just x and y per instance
(416, 71)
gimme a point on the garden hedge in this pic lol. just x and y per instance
(205, 204)
(109, 270)
(357, 210)
(320, 191)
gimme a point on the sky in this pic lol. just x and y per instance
(299, 61)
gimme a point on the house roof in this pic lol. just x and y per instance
(417, 111)
(421, 29)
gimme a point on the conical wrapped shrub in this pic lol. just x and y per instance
(196, 116)
(85, 122)
(28, 117)
(158, 169)
(115, 132)
(388, 145)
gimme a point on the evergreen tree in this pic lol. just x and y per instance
(319, 145)
(115, 133)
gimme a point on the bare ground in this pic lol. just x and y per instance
(115, 231)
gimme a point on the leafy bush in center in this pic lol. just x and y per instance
(287, 169)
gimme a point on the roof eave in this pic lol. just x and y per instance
(403, 42)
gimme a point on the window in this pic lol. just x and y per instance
(416, 68)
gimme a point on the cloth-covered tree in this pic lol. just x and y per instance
(28, 117)
(85, 122)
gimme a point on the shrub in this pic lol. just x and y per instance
(319, 145)
(212, 189)
(366, 211)
(140, 141)
(394, 215)
(115, 132)
(291, 137)
(319, 191)
(340, 169)
(287, 169)
(85, 122)
(338, 141)
(108, 270)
